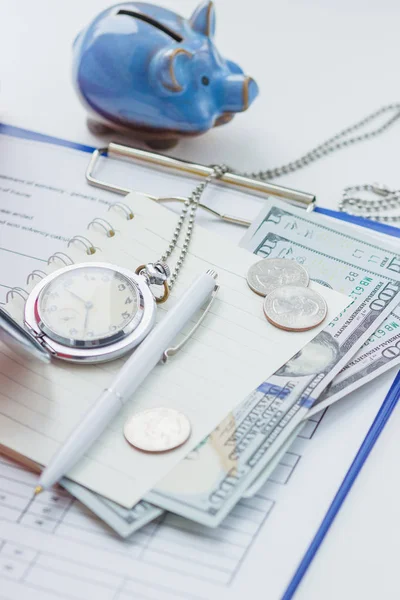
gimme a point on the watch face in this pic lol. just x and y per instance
(89, 306)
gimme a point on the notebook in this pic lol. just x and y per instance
(234, 350)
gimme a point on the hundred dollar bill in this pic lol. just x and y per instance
(375, 357)
(312, 231)
(349, 242)
(305, 230)
(122, 520)
(255, 486)
(205, 486)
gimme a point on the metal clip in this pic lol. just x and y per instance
(174, 349)
(186, 168)
(223, 216)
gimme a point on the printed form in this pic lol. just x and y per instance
(53, 548)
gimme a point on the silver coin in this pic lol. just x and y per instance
(295, 308)
(270, 273)
(157, 429)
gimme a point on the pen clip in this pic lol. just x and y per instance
(174, 349)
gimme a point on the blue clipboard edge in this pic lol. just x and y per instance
(27, 134)
(368, 223)
(380, 420)
(369, 441)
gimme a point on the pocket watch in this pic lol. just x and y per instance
(94, 312)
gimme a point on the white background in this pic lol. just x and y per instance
(320, 66)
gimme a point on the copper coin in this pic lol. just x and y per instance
(157, 429)
(295, 308)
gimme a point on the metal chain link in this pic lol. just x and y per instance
(370, 208)
(337, 142)
(188, 214)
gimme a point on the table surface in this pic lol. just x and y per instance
(319, 68)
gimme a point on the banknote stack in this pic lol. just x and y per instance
(360, 344)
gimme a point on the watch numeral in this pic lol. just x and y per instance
(125, 314)
(121, 287)
(128, 300)
(112, 327)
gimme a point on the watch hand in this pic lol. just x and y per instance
(76, 296)
(88, 307)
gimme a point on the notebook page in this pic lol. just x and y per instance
(236, 349)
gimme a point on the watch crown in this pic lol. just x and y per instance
(157, 273)
(163, 268)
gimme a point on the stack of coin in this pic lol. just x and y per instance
(289, 303)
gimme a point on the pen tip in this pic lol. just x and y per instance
(37, 490)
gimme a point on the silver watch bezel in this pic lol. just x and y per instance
(126, 339)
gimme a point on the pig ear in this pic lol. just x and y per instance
(169, 70)
(203, 19)
(234, 68)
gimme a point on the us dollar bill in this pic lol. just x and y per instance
(206, 485)
(379, 354)
(254, 487)
(309, 230)
(349, 242)
(122, 520)
(375, 357)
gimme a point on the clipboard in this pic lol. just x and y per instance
(263, 189)
(234, 180)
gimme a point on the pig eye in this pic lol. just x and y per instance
(205, 80)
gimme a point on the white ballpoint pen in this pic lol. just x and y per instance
(129, 378)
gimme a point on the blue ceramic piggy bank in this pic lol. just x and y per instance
(145, 70)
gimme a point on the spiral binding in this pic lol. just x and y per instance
(108, 228)
(35, 273)
(125, 208)
(67, 260)
(90, 249)
(60, 256)
(16, 290)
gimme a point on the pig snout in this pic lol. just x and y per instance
(239, 92)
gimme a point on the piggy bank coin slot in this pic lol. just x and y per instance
(150, 21)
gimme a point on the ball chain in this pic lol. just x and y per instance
(188, 214)
(370, 209)
(336, 142)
